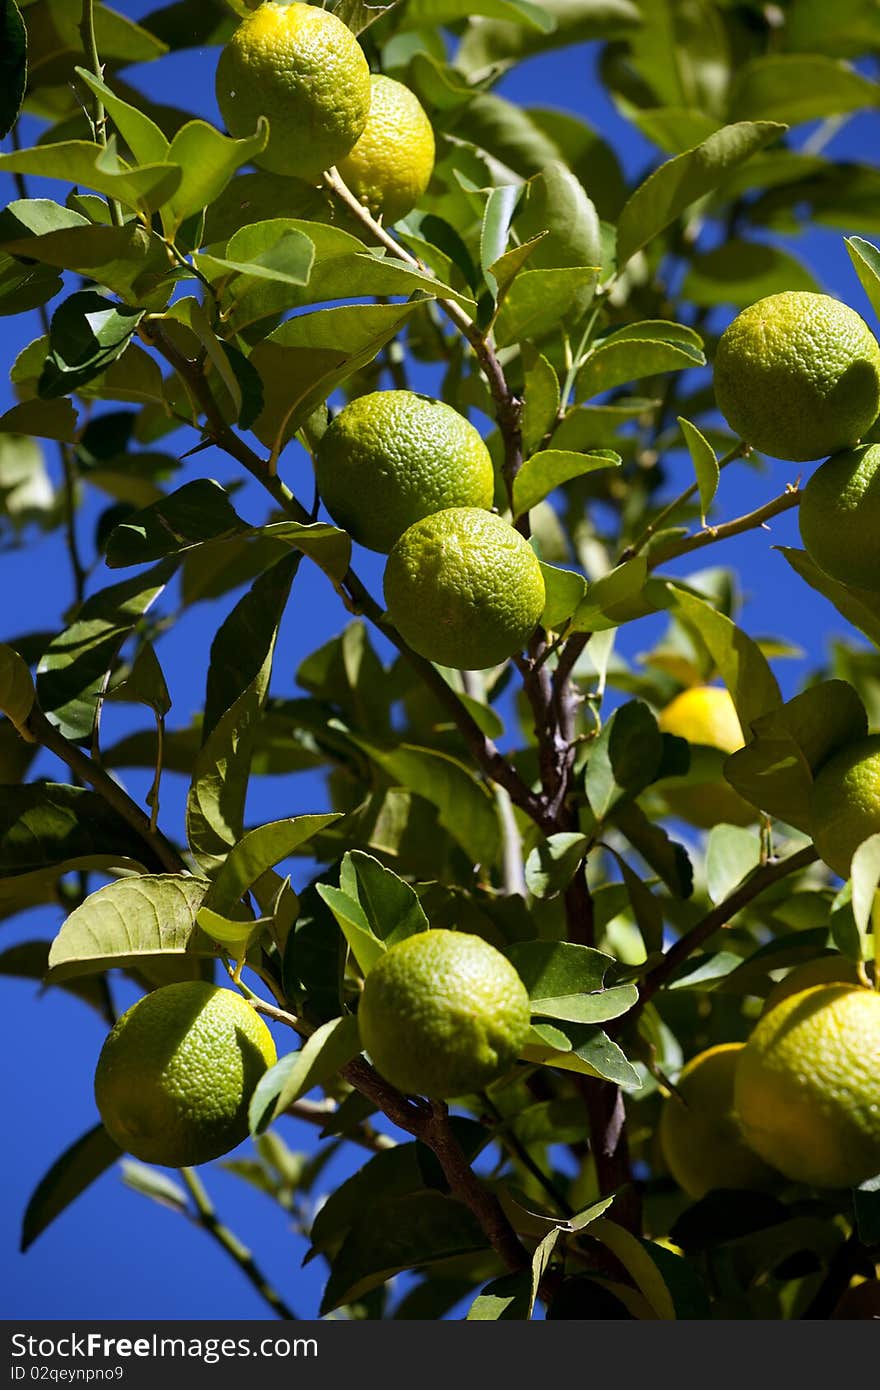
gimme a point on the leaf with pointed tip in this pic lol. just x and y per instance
(258, 851)
(705, 462)
(330, 1047)
(549, 469)
(87, 164)
(75, 1170)
(131, 920)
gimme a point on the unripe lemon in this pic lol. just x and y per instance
(845, 803)
(176, 1074)
(443, 1013)
(464, 588)
(392, 457)
(304, 70)
(699, 1133)
(391, 165)
(840, 516)
(807, 1089)
(798, 375)
(706, 716)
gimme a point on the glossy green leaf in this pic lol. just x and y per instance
(705, 462)
(508, 1296)
(45, 419)
(581, 1048)
(86, 334)
(497, 216)
(319, 1059)
(682, 180)
(258, 851)
(542, 398)
(493, 42)
(731, 855)
(550, 468)
(564, 591)
(549, 969)
(538, 300)
(390, 905)
(420, 14)
(624, 759)
(668, 859)
(208, 160)
(130, 921)
(399, 1233)
(629, 360)
(88, 164)
(861, 607)
(866, 260)
(799, 87)
(865, 875)
(72, 671)
(75, 1170)
(13, 64)
(365, 945)
(48, 825)
(16, 686)
(556, 208)
(552, 864)
(140, 133)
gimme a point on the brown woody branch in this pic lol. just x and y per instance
(750, 522)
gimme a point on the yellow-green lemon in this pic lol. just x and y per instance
(464, 588)
(443, 1013)
(845, 802)
(807, 1089)
(391, 165)
(705, 715)
(798, 375)
(176, 1074)
(699, 1133)
(304, 70)
(840, 516)
(392, 457)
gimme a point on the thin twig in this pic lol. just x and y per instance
(91, 772)
(95, 66)
(206, 1217)
(750, 522)
(677, 502)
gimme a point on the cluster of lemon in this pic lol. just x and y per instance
(801, 1098)
(305, 71)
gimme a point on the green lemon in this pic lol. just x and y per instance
(840, 516)
(391, 165)
(443, 1013)
(845, 802)
(464, 588)
(304, 70)
(798, 376)
(706, 716)
(392, 457)
(699, 1133)
(807, 1087)
(176, 1074)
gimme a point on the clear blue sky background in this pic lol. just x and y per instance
(114, 1254)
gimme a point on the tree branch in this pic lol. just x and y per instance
(91, 772)
(688, 544)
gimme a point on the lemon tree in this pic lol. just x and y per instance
(176, 1074)
(441, 624)
(391, 458)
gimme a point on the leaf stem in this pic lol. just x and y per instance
(205, 1215)
(95, 66)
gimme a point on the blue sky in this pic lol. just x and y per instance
(114, 1254)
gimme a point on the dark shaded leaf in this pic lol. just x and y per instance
(76, 1169)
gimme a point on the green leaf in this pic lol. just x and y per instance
(542, 397)
(258, 851)
(538, 300)
(150, 1182)
(13, 64)
(400, 1233)
(596, 611)
(731, 855)
(86, 334)
(842, 925)
(742, 665)
(556, 208)
(581, 1048)
(76, 1169)
(861, 607)
(665, 856)
(799, 87)
(564, 590)
(624, 759)
(16, 687)
(365, 945)
(865, 874)
(705, 462)
(72, 672)
(88, 164)
(129, 922)
(360, 14)
(424, 14)
(466, 809)
(627, 360)
(46, 419)
(238, 680)
(790, 744)
(307, 357)
(866, 260)
(549, 469)
(48, 825)
(28, 960)
(145, 683)
(497, 216)
(509, 1296)
(552, 864)
(140, 133)
(493, 44)
(319, 1059)
(741, 272)
(208, 160)
(549, 969)
(682, 180)
(390, 904)
(197, 512)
